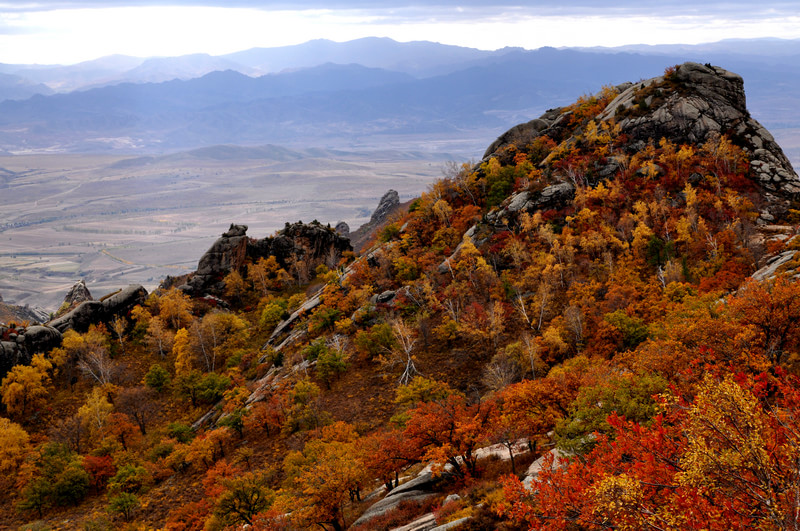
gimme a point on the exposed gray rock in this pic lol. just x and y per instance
(11, 354)
(425, 481)
(388, 202)
(423, 523)
(710, 101)
(224, 255)
(773, 264)
(418, 489)
(523, 133)
(451, 498)
(305, 244)
(451, 525)
(286, 325)
(695, 104)
(533, 470)
(94, 312)
(389, 503)
(77, 294)
(555, 196)
(343, 229)
(19, 345)
(40, 338)
(384, 298)
(447, 265)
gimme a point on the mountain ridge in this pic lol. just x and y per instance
(320, 106)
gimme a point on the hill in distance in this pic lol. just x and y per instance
(346, 95)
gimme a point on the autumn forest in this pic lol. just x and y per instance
(583, 299)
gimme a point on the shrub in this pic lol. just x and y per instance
(180, 432)
(212, 387)
(130, 478)
(157, 378)
(633, 329)
(124, 504)
(329, 365)
(389, 232)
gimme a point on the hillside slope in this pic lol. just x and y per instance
(580, 299)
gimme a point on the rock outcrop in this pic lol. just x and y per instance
(103, 311)
(388, 204)
(298, 248)
(18, 345)
(11, 313)
(418, 489)
(224, 255)
(308, 243)
(692, 104)
(343, 229)
(555, 196)
(77, 294)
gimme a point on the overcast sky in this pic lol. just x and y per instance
(69, 31)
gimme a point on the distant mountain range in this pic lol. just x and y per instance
(419, 59)
(336, 94)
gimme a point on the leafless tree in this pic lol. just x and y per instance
(405, 337)
(118, 325)
(500, 372)
(574, 318)
(96, 363)
(458, 174)
(159, 339)
(139, 403)
(70, 431)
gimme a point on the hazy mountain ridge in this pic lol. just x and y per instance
(343, 104)
(328, 101)
(419, 59)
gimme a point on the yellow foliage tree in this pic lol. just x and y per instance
(14, 446)
(184, 361)
(25, 387)
(321, 478)
(95, 411)
(175, 308)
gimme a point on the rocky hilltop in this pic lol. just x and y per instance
(690, 104)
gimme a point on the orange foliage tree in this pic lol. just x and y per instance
(726, 458)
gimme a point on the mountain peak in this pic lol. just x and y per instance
(690, 104)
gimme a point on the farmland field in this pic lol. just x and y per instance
(115, 220)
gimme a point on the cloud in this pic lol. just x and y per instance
(68, 31)
(633, 6)
(451, 9)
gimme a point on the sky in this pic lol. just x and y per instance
(70, 31)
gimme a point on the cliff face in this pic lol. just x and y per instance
(224, 255)
(690, 104)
